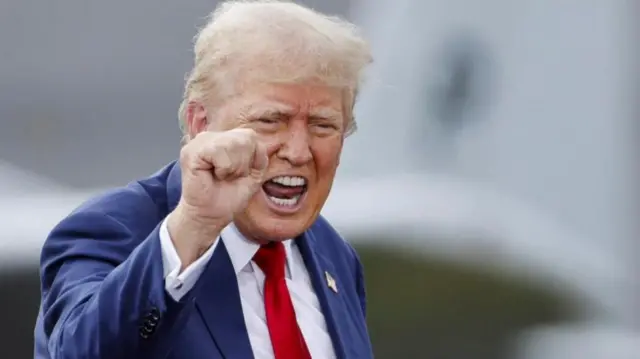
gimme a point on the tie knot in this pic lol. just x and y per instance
(271, 259)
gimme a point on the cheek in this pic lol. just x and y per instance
(327, 158)
(271, 140)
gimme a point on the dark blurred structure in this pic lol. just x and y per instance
(433, 309)
(19, 304)
(417, 309)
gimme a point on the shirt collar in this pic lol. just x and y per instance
(241, 250)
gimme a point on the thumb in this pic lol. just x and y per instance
(260, 157)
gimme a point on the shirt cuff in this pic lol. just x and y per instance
(178, 283)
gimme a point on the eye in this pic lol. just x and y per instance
(268, 121)
(323, 129)
(267, 124)
(324, 124)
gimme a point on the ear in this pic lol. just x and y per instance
(196, 118)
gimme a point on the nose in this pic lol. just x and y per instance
(295, 147)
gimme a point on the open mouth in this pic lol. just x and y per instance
(285, 191)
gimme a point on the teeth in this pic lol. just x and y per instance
(291, 181)
(286, 202)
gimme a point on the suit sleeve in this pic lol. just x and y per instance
(103, 291)
(178, 283)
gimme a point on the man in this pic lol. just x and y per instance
(223, 254)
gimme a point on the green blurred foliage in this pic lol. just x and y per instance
(420, 307)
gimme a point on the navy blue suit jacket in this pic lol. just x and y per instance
(103, 294)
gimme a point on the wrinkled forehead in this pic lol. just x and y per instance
(310, 98)
(275, 109)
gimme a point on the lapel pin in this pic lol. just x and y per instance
(331, 283)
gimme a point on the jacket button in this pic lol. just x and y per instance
(150, 323)
(151, 317)
(145, 332)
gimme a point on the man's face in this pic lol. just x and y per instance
(303, 125)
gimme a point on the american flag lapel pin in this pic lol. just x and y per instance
(331, 283)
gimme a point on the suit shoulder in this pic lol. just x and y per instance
(331, 235)
(139, 201)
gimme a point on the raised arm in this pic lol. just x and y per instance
(103, 289)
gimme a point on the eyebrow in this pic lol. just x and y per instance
(326, 113)
(268, 110)
(279, 110)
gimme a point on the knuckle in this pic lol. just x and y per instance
(250, 132)
(220, 156)
(203, 136)
(186, 153)
(245, 131)
(248, 135)
(243, 141)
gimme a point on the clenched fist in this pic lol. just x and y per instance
(221, 171)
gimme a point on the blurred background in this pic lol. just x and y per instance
(491, 189)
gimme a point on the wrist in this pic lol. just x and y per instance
(191, 236)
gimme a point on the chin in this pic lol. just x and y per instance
(262, 224)
(268, 228)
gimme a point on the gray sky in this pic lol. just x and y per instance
(89, 90)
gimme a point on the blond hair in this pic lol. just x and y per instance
(275, 41)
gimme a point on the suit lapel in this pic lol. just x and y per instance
(332, 304)
(220, 306)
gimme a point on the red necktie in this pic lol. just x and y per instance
(286, 337)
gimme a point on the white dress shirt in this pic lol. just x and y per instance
(251, 282)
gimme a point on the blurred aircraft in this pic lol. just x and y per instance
(438, 217)
(505, 126)
(434, 216)
(30, 206)
(15, 181)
